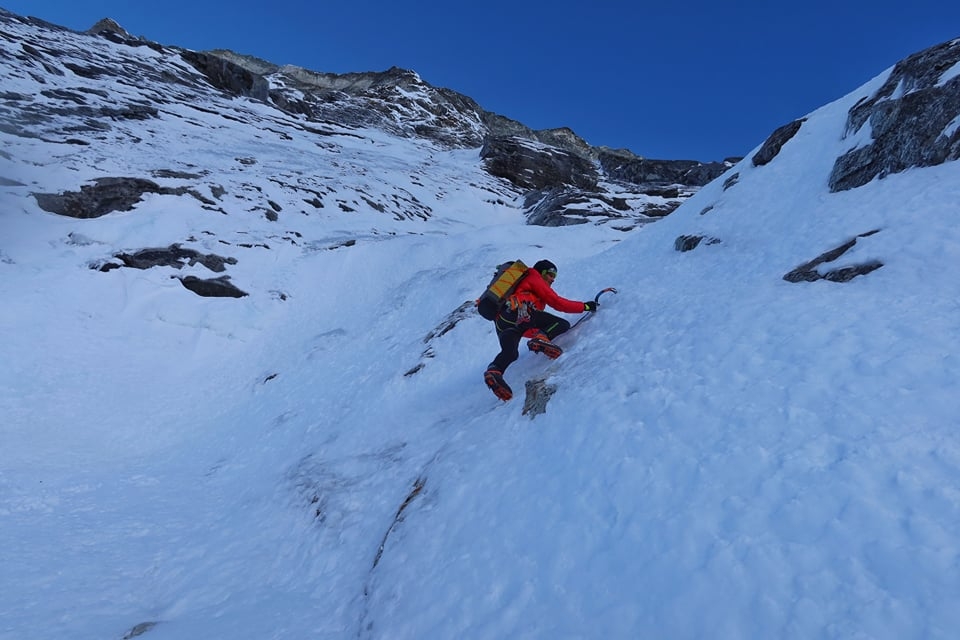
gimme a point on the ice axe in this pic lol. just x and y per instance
(596, 299)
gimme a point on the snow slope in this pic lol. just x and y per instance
(727, 454)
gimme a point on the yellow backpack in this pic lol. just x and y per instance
(505, 280)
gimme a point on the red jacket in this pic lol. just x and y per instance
(535, 290)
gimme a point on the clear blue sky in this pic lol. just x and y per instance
(696, 80)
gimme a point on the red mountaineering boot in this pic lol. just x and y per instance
(495, 381)
(540, 343)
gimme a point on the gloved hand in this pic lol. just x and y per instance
(590, 306)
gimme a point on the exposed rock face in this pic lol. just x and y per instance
(228, 76)
(771, 147)
(400, 102)
(913, 119)
(105, 196)
(810, 271)
(172, 256)
(109, 26)
(596, 182)
(533, 167)
(212, 287)
(82, 92)
(567, 187)
(690, 242)
(562, 206)
(177, 257)
(629, 168)
(397, 100)
(538, 394)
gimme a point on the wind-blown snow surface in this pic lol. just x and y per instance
(727, 455)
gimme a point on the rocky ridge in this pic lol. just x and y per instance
(98, 123)
(119, 111)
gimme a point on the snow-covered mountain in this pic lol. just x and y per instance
(84, 93)
(242, 392)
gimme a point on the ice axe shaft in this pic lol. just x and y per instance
(596, 299)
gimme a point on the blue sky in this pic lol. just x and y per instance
(699, 80)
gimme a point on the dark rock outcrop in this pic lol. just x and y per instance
(173, 256)
(563, 206)
(534, 167)
(912, 120)
(691, 242)
(109, 26)
(773, 144)
(178, 257)
(105, 196)
(809, 272)
(629, 168)
(139, 629)
(538, 394)
(108, 195)
(213, 287)
(228, 76)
